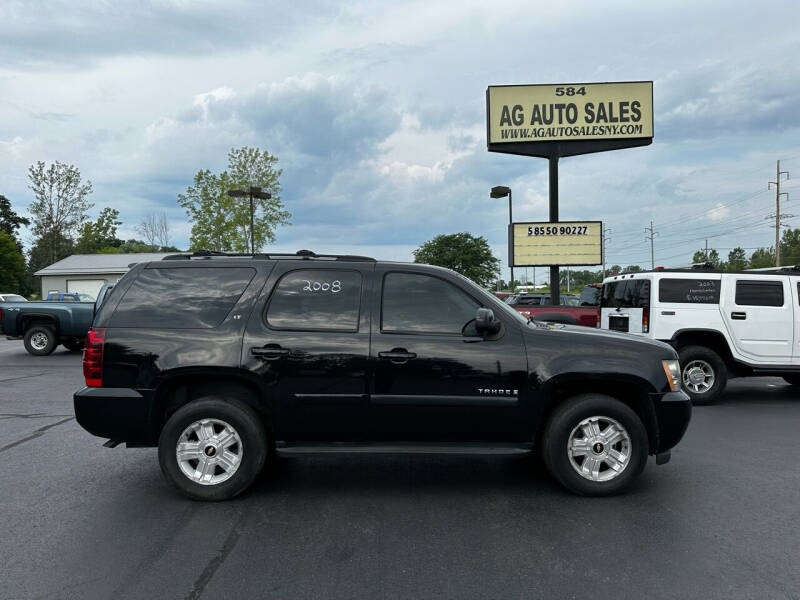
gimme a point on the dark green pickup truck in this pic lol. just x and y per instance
(45, 325)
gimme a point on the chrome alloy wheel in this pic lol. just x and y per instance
(39, 341)
(698, 376)
(599, 449)
(209, 451)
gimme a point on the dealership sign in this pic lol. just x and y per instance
(561, 243)
(582, 117)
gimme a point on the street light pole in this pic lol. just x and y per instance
(252, 224)
(501, 191)
(253, 192)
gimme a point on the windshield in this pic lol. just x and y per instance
(590, 296)
(13, 298)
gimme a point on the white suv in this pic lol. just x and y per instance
(723, 324)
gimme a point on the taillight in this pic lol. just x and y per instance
(93, 356)
(597, 321)
(646, 320)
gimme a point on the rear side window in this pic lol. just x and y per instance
(181, 298)
(316, 299)
(418, 303)
(759, 293)
(633, 293)
(690, 291)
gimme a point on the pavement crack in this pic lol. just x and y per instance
(29, 416)
(38, 433)
(22, 377)
(208, 573)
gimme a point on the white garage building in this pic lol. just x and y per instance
(86, 273)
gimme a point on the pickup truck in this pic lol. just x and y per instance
(573, 310)
(44, 325)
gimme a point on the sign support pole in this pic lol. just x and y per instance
(555, 284)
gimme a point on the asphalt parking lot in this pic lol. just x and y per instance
(722, 520)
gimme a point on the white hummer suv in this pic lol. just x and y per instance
(723, 324)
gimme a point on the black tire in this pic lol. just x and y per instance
(247, 424)
(566, 418)
(36, 344)
(690, 354)
(792, 379)
(73, 344)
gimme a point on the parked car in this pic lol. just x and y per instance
(218, 360)
(574, 310)
(44, 325)
(68, 297)
(723, 324)
(12, 298)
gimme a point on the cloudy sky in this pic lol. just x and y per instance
(377, 113)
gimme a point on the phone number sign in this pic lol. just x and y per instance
(563, 243)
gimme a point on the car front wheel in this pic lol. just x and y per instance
(594, 445)
(212, 448)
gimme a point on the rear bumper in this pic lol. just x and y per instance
(673, 413)
(119, 414)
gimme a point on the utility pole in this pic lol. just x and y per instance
(777, 184)
(706, 250)
(650, 235)
(606, 239)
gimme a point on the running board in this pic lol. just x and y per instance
(477, 449)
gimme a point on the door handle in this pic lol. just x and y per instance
(269, 352)
(397, 355)
(738, 316)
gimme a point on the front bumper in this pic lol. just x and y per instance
(119, 414)
(673, 411)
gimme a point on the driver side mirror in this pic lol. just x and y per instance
(485, 321)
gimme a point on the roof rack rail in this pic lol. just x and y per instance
(301, 254)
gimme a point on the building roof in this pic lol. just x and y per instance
(89, 264)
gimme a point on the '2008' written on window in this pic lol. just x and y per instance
(691, 291)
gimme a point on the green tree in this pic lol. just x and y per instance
(10, 221)
(100, 234)
(13, 276)
(711, 257)
(222, 223)
(40, 256)
(59, 206)
(464, 253)
(632, 269)
(762, 258)
(737, 259)
(790, 247)
(133, 246)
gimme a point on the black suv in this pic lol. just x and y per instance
(221, 359)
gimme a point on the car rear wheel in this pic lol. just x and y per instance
(212, 448)
(73, 344)
(594, 445)
(703, 374)
(40, 340)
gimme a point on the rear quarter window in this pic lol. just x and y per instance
(689, 291)
(181, 298)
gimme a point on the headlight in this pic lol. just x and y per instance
(673, 372)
